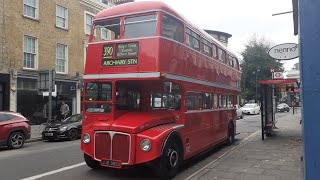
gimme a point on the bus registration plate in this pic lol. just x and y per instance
(111, 163)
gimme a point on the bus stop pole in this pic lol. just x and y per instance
(50, 96)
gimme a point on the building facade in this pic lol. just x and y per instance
(223, 37)
(38, 36)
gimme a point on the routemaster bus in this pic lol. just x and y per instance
(157, 89)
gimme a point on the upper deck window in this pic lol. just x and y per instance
(231, 63)
(192, 39)
(140, 26)
(172, 28)
(206, 47)
(222, 55)
(214, 51)
(107, 30)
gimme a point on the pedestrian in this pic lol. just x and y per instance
(64, 109)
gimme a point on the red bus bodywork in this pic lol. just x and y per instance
(117, 135)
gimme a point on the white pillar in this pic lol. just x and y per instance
(78, 96)
(13, 91)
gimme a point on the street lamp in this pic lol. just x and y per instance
(256, 73)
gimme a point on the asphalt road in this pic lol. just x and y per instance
(64, 160)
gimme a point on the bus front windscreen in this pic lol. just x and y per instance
(106, 30)
(98, 97)
(140, 26)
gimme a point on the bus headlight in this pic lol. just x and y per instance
(145, 145)
(86, 138)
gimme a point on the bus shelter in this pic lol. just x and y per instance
(271, 92)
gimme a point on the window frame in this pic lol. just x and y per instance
(215, 49)
(65, 18)
(36, 10)
(200, 101)
(123, 28)
(66, 59)
(85, 22)
(36, 53)
(204, 98)
(192, 35)
(222, 55)
(206, 43)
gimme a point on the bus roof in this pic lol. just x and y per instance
(145, 6)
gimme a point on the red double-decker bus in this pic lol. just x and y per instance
(157, 89)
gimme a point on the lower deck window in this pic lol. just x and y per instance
(165, 101)
(193, 101)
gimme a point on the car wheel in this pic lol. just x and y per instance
(93, 164)
(16, 140)
(72, 134)
(170, 160)
(230, 139)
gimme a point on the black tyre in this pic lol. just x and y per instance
(93, 164)
(230, 139)
(241, 117)
(16, 140)
(171, 160)
(72, 134)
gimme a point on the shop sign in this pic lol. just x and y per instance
(285, 51)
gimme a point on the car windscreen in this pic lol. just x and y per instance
(249, 106)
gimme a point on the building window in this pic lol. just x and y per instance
(172, 28)
(104, 34)
(62, 17)
(88, 22)
(61, 61)
(30, 8)
(29, 52)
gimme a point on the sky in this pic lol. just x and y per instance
(242, 19)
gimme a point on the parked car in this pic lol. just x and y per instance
(251, 108)
(239, 112)
(283, 107)
(69, 128)
(14, 129)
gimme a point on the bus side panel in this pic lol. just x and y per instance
(203, 130)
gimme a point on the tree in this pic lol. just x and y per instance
(256, 65)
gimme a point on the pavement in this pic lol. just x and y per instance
(275, 158)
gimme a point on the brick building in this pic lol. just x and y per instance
(40, 35)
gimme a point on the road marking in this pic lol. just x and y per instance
(24, 152)
(54, 171)
(249, 117)
(242, 143)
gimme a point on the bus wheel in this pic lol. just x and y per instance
(230, 139)
(170, 160)
(93, 164)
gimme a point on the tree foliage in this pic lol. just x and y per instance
(256, 60)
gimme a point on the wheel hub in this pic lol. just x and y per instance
(173, 158)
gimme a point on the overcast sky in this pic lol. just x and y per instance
(242, 19)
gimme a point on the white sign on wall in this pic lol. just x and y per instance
(278, 75)
(285, 51)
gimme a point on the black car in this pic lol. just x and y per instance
(69, 128)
